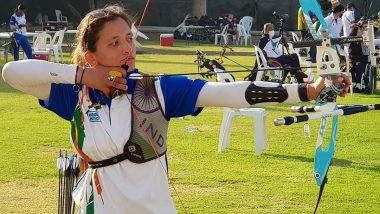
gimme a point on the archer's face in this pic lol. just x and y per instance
(115, 46)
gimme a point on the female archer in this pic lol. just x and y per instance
(119, 125)
(18, 25)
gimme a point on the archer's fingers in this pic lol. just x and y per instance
(120, 80)
(346, 82)
(346, 77)
(118, 85)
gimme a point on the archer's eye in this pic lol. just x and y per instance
(114, 43)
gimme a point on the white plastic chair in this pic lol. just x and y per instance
(262, 63)
(41, 42)
(224, 35)
(242, 34)
(258, 114)
(247, 21)
(56, 45)
(59, 16)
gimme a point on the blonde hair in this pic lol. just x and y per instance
(266, 26)
(89, 28)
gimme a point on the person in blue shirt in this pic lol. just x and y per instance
(119, 124)
(18, 25)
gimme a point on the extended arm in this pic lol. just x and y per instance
(35, 77)
(244, 93)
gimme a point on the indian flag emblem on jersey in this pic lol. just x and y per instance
(93, 116)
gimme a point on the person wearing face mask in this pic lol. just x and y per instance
(268, 45)
(334, 22)
(348, 18)
(17, 23)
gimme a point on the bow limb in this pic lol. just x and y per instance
(323, 158)
(327, 98)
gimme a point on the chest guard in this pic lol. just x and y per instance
(149, 129)
(149, 125)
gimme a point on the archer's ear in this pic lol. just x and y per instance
(90, 58)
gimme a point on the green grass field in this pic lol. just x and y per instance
(235, 181)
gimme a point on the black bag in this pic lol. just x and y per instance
(13, 44)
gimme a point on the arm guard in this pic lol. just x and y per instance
(265, 92)
(243, 94)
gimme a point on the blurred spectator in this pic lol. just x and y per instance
(358, 52)
(348, 18)
(359, 57)
(18, 25)
(230, 21)
(301, 23)
(268, 45)
(334, 22)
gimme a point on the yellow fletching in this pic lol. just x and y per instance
(115, 73)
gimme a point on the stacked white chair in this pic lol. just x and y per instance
(242, 35)
(247, 21)
(258, 114)
(41, 43)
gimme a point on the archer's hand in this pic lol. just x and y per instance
(315, 89)
(100, 78)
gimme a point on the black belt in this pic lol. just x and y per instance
(109, 161)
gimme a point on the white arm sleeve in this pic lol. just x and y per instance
(35, 77)
(233, 94)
